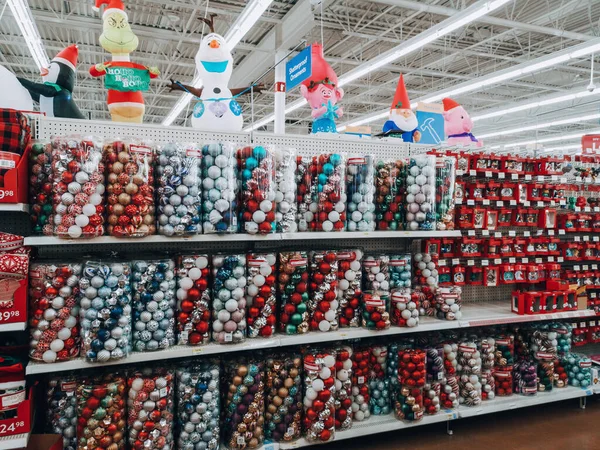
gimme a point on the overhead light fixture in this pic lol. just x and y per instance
(558, 138)
(562, 147)
(517, 71)
(247, 19)
(536, 104)
(468, 15)
(539, 126)
(24, 18)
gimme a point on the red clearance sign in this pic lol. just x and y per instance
(590, 144)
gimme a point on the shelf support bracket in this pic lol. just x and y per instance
(449, 430)
(582, 402)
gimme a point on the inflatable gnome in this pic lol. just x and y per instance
(55, 94)
(14, 96)
(403, 121)
(321, 91)
(458, 124)
(217, 108)
(124, 79)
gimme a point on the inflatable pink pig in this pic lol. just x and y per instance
(322, 93)
(458, 124)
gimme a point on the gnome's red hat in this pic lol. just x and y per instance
(401, 100)
(68, 57)
(449, 104)
(322, 73)
(111, 7)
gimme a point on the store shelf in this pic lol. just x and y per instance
(382, 424)
(474, 315)
(18, 326)
(14, 207)
(14, 441)
(39, 241)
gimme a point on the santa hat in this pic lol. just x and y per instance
(322, 73)
(449, 104)
(112, 7)
(68, 57)
(401, 100)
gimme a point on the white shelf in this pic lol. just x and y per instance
(14, 441)
(382, 424)
(474, 314)
(18, 326)
(38, 241)
(14, 207)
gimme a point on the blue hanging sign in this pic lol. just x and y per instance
(299, 68)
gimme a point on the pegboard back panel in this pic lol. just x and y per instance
(478, 294)
(46, 127)
(308, 145)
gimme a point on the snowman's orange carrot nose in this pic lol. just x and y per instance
(44, 71)
(214, 44)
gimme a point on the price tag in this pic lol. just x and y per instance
(528, 177)
(499, 203)
(526, 203)
(361, 380)
(588, 180)
(596, 239)
(460, 173)
(514, 176)
(458, 201)
(228, 337)
(241, 440)
(594, 266)
(197, 350)
(552, 203)
(470, 262)
(577, 239)
(486, 201)
(471, 232)
(501, 175)
(587, 209)
(554, 177)
(442, 262)
(498, 234)
(538, 260)
(585, 267)
(472, 172)
(512, 233)
(561, 231)
(586, 238)
(485, 232)
(488, 174)
(539, 232)
(540, 204)
(524, 260)
(497, 261)
(578, 179)
(577, 209)
(550, 258)
(512, 260)
(550, 232)
(596, 208)
(576, 268)
(526, 233)
(560, 259)
(470, 202)
(485, 262)
(455, 261)
(513, 203)
(541, 178)
(562, 202)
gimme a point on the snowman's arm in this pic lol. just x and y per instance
(258, 89)
(37, 89)
(177, 86)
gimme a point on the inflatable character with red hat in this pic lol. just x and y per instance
(403, 121)
(321, 91)
(458, 124)
(55, 94)
(124, 79)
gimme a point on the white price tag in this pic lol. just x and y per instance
(512, 260)
(228, 337)
(524, 260)
(486, 201)
(577, 209)
(470, 202)
(550, 232)
(540, 204)
(501, 175)
(460, 173)
(578, 179)
(550, 258)
(596, 238)
(596, 208)
(455, 261)
(552, 203)
(512, 233)
(498, 234)
(586, 238)
(485, 262)
(538, 260)
(577, 239)
(471, 233)
(442, 262)
(472, 172)
(526, 233)
(562, 202)
(560, 259)
(499, 203)
(528, 177)
(554, 177)
(541, 178)
(498, 261)
(513, 203)
(514, 176)
(526, 203)
(488, 174)
(587, 209)
(485, 232)
(458, 201)
(561, 231)
(361, 380)
(470, 262)
(585, 267)
(588, 180)
(576, 268)
(594, 266)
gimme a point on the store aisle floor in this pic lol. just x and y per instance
(558, 426)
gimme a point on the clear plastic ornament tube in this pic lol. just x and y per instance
(319, 396)
(193, 299)
(285, 190)
(360, 190)
(420, 197)
(260, 294)
(229, 301)
(349, 287)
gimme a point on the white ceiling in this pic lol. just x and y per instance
(354, 32)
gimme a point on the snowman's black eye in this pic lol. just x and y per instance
(112, 22)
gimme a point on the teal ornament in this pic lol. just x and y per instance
(328, 168)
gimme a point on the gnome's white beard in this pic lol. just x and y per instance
(403, 123)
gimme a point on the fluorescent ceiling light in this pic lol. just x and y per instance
(539, 126)
(247, 19)
(468, 15)
(563, 147)
(24, 18)
(535, 104)
(517, 71)
(557, 138)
